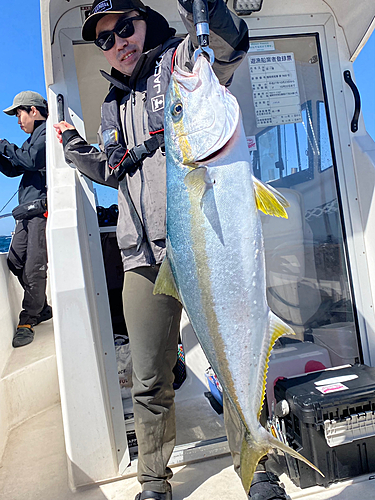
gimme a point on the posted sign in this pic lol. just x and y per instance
(275, 89)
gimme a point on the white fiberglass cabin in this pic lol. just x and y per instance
(62, 429)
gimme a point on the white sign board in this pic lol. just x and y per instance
(275, 89)
(261, 46)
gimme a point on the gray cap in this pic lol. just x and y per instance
(26, 98)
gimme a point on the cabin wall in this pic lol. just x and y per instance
(364, 168)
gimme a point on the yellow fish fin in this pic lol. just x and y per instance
(165, 282)
(275, 443)
(277, 328)
(251, 453)
(269, 200)
(253, 450)
(197, 181)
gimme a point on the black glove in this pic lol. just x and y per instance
(126, 167)
(131, 161)
(188, 5)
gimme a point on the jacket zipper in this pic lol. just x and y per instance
(145, 117)
(150, 258)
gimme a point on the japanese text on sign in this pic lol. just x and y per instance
(275, 89)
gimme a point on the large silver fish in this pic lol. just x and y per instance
(215, 257)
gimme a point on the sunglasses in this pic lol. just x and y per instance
(124, 29)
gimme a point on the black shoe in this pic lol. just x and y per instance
(45, 315)
(266, 486)
(154, 495)
(24, 335)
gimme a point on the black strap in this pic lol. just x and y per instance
(138, 153)
(265, 476)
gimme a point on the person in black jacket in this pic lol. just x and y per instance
(27, 257)
(141, 48)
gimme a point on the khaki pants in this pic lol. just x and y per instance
(153, 323)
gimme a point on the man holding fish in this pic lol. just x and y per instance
(143, 52)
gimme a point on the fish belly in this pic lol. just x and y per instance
(215, 247)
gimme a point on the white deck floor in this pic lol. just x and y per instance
(34, 468)
(34, 464)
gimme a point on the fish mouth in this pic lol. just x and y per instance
(207, 138)
(215, 155)
(221, 151)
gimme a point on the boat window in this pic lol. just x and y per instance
(285, 150)
(281, 91)
(324, 141)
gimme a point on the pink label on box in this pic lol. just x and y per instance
(251, 143)
(327, 389)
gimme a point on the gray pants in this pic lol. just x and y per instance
(153, 323)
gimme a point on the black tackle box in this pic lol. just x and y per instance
(331, 422)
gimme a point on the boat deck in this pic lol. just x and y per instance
(34, 465)
(34, 468)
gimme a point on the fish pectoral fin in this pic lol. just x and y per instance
(197, 181)
(269, 200)
(165, 283)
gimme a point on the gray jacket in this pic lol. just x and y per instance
(144, 192)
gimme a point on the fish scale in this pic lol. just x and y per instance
(215, 261)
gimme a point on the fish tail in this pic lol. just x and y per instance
(275, 443)
(251, 453)
(269, 200)
(253, 450)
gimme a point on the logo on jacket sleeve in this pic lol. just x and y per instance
(157, 102)
(110, 136)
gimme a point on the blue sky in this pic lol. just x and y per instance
(22, 69)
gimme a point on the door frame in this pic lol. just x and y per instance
(333, 86)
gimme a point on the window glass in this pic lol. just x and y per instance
(280, 91)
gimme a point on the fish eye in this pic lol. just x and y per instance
(176, 110)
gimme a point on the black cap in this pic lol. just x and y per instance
(100, 8)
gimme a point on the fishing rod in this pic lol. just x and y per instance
(201, 22)
(7, 203)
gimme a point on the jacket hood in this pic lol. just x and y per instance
(158, 30)
(38, 123)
